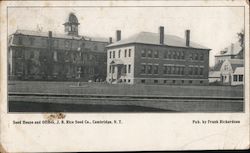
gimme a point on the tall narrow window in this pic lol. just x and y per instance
(143, 53)
(110, 54)
(182, 55)
(235, 77)
(20, 40)
(129, 68)
(201, 71)
(150, 53)
(156, 54)
(125, 53)
(156, 69)
(129, 53)
(190, 70)
(201, 56)
(240, 78)
(166, 54)
(143, 69)
(125, 69)
(119, 53)
(109, 68)
(165, 71)
(113, 54)
(149, 69)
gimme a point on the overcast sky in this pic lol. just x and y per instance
(213, 27)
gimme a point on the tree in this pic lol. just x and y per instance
(241, 36)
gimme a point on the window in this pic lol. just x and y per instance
(156, 69)
(190, 70)
(20, 40)
(196, 56)
(143, 69)
(173, 81)
(113, 54)
(174, 55)
(190, 81)
(129, 68)
(128, 80)
(125, 68)
(110, 68)
(201, 82)
(31, 41)
(165, 70)
(201, 56)
(125, 53)
(150, 53)
(129, 53)
(110, 54)
(113, 69)
(201, 71)
(191, 56)
(177, 70)
(149, 69)
(169, 55)
(240, 78)
(166, 54)
(142, 81)
(156, 54)
(181, 70)
(182, 81)
(182, 55)
(172, 70)
(235, 78)
(196, 71)
(178, 55)
(169, 69)
(143, 53)
(119, 53)
(155, 81)
(125, 80)
(165, 81)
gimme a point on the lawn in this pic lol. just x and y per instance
(111, 89)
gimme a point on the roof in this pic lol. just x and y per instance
(214, 74)
(217, 66)
(56, 35)
(153, 38)
(232, 49)
(239, 70)
(236, 63)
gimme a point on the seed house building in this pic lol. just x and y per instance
(156, 58)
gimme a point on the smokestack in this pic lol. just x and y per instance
(50, 34)
(187, 38)
(161, 32)
(118, 35)
(110, 40)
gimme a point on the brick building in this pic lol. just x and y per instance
(156, 58)
(34, 55)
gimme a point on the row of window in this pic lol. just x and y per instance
(172, 55)
(171, 69)
(126, 53)
(238, 78)
(125, 69)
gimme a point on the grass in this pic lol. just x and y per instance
(111, 89)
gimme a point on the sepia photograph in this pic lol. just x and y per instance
(101, 59)
(116, 75)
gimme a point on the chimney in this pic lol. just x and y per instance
(187, 33)
(161, 32)
(232, 48)
(50, 34)
(110, 40)
(118, 35)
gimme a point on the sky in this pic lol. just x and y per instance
(213, 27)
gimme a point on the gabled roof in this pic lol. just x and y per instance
(236, 63)
(153, 38)
(56, 35)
